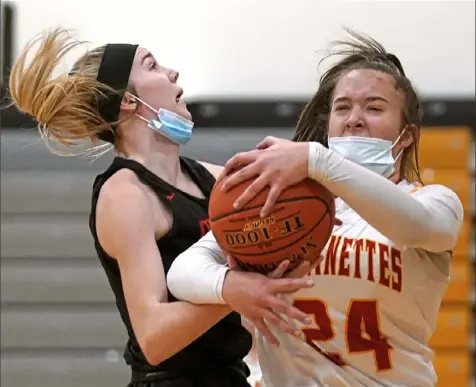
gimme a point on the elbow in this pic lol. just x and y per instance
(153, 348)
(443, 234)
(153, 338)
(152, 357)
(434, 239)
(445, 240)
(152, 353)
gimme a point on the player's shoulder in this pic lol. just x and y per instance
(419, 189)
(125, 192)
(438, 194)
(124, 184)
(214, 169)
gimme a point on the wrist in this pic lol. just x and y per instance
(319, 159)
(313, 161)
(228, 284)
(220, 283)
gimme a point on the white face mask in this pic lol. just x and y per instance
(372, 153)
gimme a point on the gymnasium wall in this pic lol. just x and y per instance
(255, 48)
(247, 67)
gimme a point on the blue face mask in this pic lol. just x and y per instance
(374, 154)
(173, 126)
(169, 124)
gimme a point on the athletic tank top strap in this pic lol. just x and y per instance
(144, 175)
(196, 171)
(200, 175)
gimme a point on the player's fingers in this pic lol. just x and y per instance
(273, 318)
(290, 321)
(315, 263)
(290, 285)
(305, 268)
(280, 270)
(267, 142)
(235, 178)
(273, 195)
(260, 324)
(237, 161)
(285, 308)
(337, 222)
(253, 189)
(300, 271)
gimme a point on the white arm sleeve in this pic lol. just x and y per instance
(197, 275)
(429, 219)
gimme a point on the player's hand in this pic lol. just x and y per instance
(257, 298)
(277, 164)
(282, 270)
(303, 269)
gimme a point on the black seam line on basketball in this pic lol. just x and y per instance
(277, 220)
(284, 247)
(261, 205)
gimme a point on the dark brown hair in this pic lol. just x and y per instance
(362, 52)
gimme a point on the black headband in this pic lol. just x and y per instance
(114, 71)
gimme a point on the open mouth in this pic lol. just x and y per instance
(179, 95)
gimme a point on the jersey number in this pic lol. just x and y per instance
(362, 330)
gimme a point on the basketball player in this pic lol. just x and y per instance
(386, 268)
(147, 207)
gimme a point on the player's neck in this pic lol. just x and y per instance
(162, 159)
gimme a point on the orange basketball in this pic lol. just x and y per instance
(298, 227)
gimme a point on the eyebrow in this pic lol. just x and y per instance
(368, 99)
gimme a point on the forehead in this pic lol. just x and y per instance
(361, 83)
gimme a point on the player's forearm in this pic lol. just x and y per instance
(173, 326)
(197, 275)
(395, 213)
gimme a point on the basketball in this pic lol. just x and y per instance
(297, 228)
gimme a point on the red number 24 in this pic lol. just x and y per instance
(362, 330)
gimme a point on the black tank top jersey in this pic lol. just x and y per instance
(226, 343)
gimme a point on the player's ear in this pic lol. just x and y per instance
(408, 136)
(129, 102)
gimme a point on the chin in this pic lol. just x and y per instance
(183, 111)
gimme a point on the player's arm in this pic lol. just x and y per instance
(197, 275)
(200, 275)
(126, 229)
(430, 218)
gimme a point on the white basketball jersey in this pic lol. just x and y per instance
(255, 371)
(374, 307)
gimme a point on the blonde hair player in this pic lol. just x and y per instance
(378, 290)
(147, 207)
